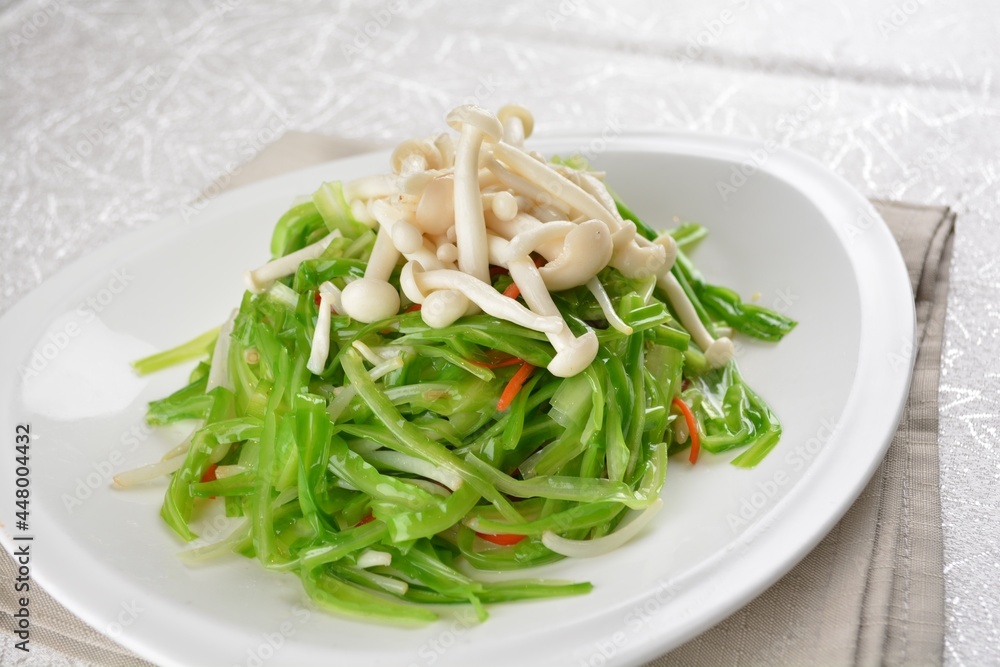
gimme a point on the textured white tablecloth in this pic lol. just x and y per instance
(113, 114)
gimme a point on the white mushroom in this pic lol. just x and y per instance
(669, 245)
(546, 213)
(447, 253)
(599, 191)
(573, 354)
(633, 260)
(555, 184)
(261, 278)
(415, 155)
(523, 223)
(333, 293)
(527, 241)
(359, 211)
(372, 298)
(419, 283)
(501, 204)
(522, 186)
(409, 284)
(443, 308)
(436, 210)
(475, 125)
(405, 237)
(406, 205)
(446, 149)
(586, 250)
(718, 351)
(517, 122)
(320, 350)
(504, 205)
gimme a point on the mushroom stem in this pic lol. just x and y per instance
(523, 186)
(517, 122)
(470, 225)
(586, 250)
(403, 237)
(527, 241)
(634, 260)
(523, 223)
(320, 349)
(500, 204)
(555, 184)
(573, 354)
(373, 298)
(332, 291)
(261, 278)
(598, 191)
(718, 351)
(384, 256)
(487, 298)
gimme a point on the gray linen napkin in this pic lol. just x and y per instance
(872, 592)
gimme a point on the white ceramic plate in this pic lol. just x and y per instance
(790, 230)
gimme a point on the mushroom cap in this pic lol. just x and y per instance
(517, 111)
(504, 205)
(634, 261)
(406, 237)
(421, 147)
(436, 208)
(447, 253)
(251, 282)
(586, 250)
(446, 147)
(575, 357)
(670, 249)
(370, 300)
(720, 352)
(443, 307)
(477, 117)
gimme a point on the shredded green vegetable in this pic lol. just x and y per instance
(337, 470)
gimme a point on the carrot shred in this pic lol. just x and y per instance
(412, 309)
(368, 518)
(692, 428)
(512, 292)
(514, 386)
(209, 475)
(498, 271)
(503, 539)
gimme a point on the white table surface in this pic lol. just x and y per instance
(114, 114)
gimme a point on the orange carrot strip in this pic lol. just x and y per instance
(514, 386)
(692, 428)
